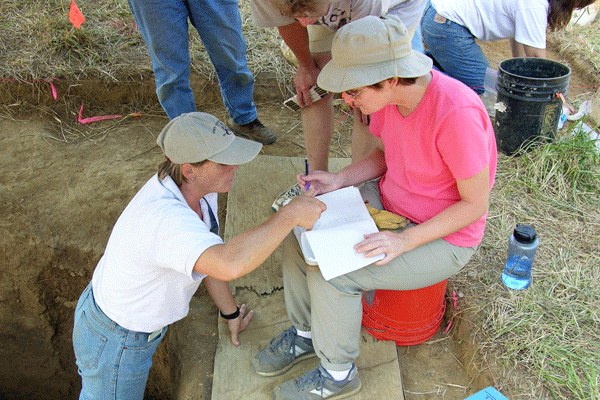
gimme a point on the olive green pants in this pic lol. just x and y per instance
(332, 309)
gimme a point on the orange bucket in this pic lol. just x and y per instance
(407, 317)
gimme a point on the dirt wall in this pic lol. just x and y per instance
(63, 186)
(58, 203)
(38, 283)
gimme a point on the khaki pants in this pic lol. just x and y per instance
(332, 309)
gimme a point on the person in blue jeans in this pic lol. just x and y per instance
(163, 25)
(163, 246)
(450, 30)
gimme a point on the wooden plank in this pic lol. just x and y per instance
(234, 378)
(249, 203)
(255, 187)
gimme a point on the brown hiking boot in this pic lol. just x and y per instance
(254, 130)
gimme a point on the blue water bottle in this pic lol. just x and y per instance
(521, 249)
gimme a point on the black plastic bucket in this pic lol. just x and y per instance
(528, 107)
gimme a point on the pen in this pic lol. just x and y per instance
(307, 184)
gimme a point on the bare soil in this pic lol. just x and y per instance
(64, 185)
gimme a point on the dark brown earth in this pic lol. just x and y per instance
(62, 188)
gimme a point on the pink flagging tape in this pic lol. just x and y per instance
(128, 27)
(52, 88)
(587, 44)
(448, 327)
(455, 300)
(94, 119)
(342, 117)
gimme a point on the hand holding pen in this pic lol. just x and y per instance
(320, 182)
(307, 184)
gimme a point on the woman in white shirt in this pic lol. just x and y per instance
(164, 244)
(449, 30)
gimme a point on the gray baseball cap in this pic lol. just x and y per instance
(198, 136)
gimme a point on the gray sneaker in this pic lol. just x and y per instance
(282, 353)
(254, 130)
(318, 384)
(288, 194)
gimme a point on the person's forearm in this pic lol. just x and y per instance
(452, 219)
(221, 295)
(296, 37)
(516, 48)
(370, 167)
(246, 251)
(534, 52)
(521, 50)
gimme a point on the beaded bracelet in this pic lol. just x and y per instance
(233, 315)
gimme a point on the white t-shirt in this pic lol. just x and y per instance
(523, 20)
(145, 279)
(343, 11)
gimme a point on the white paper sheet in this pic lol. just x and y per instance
(330, 244)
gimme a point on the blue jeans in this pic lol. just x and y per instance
(164, 27)
(453, 46)
(113, 362)
(417, 41)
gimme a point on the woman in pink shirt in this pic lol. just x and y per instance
(434, 163)
(436, 154)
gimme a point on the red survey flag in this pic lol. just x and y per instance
(75, 16)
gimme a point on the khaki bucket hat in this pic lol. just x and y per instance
(370, 50)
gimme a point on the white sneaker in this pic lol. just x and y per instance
(318, 384)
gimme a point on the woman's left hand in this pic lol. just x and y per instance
(390, 243)
(239, 324)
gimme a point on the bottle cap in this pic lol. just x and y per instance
(524, 233)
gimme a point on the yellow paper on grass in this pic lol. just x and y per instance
(330, 244)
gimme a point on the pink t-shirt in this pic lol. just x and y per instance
(449, 136)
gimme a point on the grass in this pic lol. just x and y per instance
(581, 44)
(544, 338)
(38, 42)
(588, 40)
(564, 171)
(547, 334)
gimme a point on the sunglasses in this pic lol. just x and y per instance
(355, 93)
